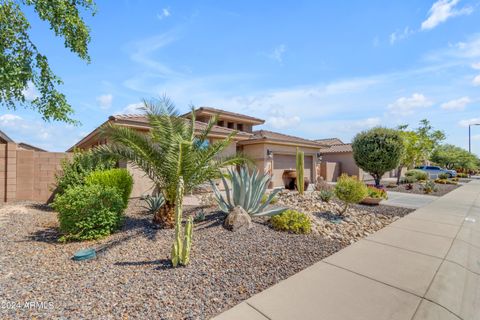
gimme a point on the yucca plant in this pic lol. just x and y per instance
(173, 148)
(247, 191)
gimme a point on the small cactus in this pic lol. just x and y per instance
(300, 172)
(181, 247)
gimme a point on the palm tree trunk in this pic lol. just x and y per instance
(165, 216)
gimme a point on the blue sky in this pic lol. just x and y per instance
(314, 69)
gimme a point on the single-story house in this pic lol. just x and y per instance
(272, 152)
(337, 159)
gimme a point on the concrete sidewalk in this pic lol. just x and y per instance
(423, 266)
(408, 200)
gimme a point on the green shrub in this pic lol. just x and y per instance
(88, 212)
(292, 221)
(378, 151)
(462, 175)
(117, 178)
(408, 180)
(273, 201)
(326, 195)
(443, 176)
(419, 175)
(349, 190)
(75, 170)
(376, 193)
(429, 187)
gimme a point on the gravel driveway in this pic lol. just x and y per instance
(132, 277)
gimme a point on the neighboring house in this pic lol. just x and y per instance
(337, 158)
(272, 152)
(27, 172)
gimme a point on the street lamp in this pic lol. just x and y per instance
(470, 135)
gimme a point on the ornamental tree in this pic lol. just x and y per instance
(453, 157)
(23, 67)
(378, 151)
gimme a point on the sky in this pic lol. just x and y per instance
(314, 69)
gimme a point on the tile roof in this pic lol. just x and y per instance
(142, 120)
(337, 148)
(270, 135)
(228, 113)
(4, 137)
(329, 141)
(27, 146)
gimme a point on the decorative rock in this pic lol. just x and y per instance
(358, 222)
(238, 219)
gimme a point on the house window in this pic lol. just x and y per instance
(240, 126)
(220, 123)
(231, 125)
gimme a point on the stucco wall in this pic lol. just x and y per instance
(258, 152)
(330, 171)
(347, 163)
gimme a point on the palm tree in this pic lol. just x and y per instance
(172, 149)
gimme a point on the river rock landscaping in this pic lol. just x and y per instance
(417, 188)
(132, 275)
(359, 222)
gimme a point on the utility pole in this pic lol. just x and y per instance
(470, 135)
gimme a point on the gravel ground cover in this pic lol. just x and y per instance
(132, 277)
(417, 189)
(359, 221)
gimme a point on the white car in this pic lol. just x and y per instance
(434, 171)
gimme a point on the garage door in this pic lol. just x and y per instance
(283, 162)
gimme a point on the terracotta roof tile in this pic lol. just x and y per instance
(142, 120)
(337, 148)
(270, 135)
(229, 113)
(329, 141)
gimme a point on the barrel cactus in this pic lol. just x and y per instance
(247, 191)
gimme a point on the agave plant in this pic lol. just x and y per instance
(153, 203)
(246, 191)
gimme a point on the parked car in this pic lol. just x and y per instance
(434, 171)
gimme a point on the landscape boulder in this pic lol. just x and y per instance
(238, 220)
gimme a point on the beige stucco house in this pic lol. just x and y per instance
(272, 152)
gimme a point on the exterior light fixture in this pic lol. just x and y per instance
(269, 153)
(319, 156)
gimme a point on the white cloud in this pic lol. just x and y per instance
(164, 14)
(476, 80)
(105, 101)
(30, 93)
(408, 105)
(400, 35)
(38, 133)
(283, 122)
(277, 53)
(476, 66)
(143, 53)
(8, 119)
(133, 108)
(467, 122)
(441, 11)
(456, 104)
(367, 123)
